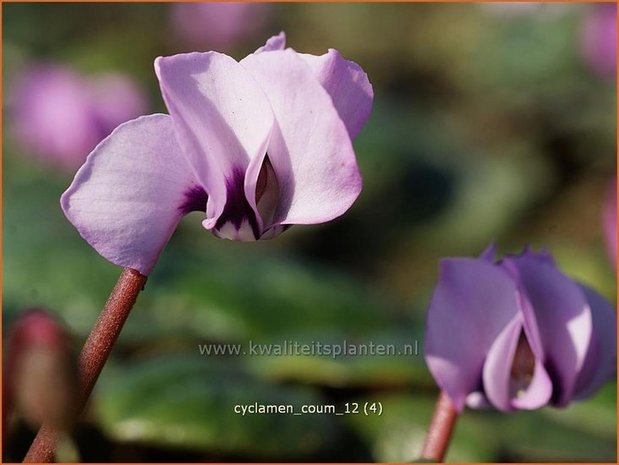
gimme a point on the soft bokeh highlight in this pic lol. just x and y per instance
(59, 115)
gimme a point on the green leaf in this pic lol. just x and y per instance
(188, 402)
(596, 415)
(490, 436)
(398, 434)
(394, 371)
(543, 436)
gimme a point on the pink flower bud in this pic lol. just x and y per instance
(41, 375)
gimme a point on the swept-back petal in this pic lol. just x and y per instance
(347, 84)
(310, 149)
(601, 361)
(472, 303)
(562, 316)
(128, 197)
(222, 119)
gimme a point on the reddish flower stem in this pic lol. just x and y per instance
(441, 429)
(95, 353)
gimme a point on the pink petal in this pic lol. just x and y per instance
(497, 374)
(489, 253)
(310, 149)
(562, 316)
(222, 119)
(601, 362)
(347, 84)
(128, 197)
(277, 42)
(539, 391)
(472, 304)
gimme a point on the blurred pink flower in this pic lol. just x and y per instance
(610, 222)
(513, 10)
(218, 25)
(60, 116)
(116, 99)
(599, 38)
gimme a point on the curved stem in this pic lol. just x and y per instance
(441, 429)
(95, 353)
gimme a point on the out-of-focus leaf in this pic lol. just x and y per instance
(258, 296)
(535, 436)
(398, 434)
(47, 260)
(402, 367)
(588, 267)
(596, 416)
(188, 402)
(548, 434)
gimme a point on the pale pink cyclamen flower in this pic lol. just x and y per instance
(258, 145)
(599, 38)
(517, 334)
(218, 25)
(610, 222)
(59, 115)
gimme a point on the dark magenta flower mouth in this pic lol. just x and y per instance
(195, 200)
(523, 367)
(238, 220)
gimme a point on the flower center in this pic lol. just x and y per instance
(238, 220)
(267, 192)
(523, 367)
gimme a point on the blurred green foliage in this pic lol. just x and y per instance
(487, 126)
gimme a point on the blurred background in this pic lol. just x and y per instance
(492, 122)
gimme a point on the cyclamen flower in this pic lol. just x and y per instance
(60, 115)
(258, 145)
(517, 333)
(599, 38)
(218, 25)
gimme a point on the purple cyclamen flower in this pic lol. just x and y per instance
(599, 38)
(218, 25)
(60, 115)
(610, 222)
(517, 333)
(258, 145)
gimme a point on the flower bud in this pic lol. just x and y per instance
(41, 371)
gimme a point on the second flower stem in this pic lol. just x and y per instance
(95, 353)
(440, 430)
